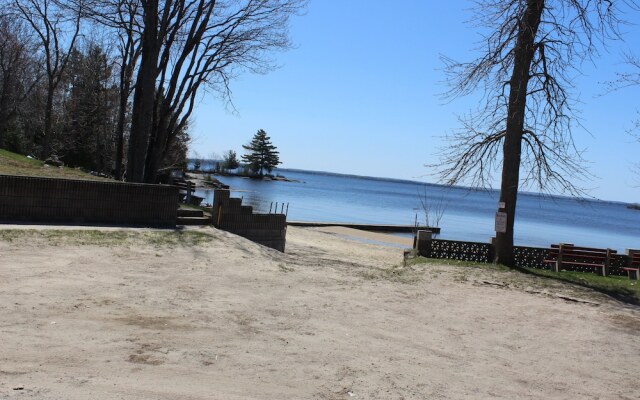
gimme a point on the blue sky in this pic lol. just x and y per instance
(360, 93)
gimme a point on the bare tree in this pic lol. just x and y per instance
(57, 30)
(17, 77)
(129, 48)
(144, 92)
(525, 122)
(188, 47)
(122, 20)
(172, 51)
(433, 209)
(627, 79)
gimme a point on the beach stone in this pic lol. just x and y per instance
(54, 160)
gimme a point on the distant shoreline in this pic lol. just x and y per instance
(459, 187)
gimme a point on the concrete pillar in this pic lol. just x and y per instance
(423, 243)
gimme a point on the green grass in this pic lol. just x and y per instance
(79, 237)
(16, 164)
(618, 287)
(20, 159)
(457, 263)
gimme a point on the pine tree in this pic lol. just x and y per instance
(230, 160)
(261, 154)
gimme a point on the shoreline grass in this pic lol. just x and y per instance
(618, 287)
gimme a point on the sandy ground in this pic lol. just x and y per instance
(331, 319)
(368, 237)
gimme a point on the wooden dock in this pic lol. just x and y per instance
(366, 227)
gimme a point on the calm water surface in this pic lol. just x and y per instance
(468, 215)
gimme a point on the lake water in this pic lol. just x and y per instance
(468, 215)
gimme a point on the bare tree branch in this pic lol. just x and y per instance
(529, 57)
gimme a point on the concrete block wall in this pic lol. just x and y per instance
(49, 200)
(230, 215)
(525, 256)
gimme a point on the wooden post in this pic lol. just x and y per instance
(220, 198)
(491, 256)
(556, 267)
(632, 270)
(607, 263)
(188, 200)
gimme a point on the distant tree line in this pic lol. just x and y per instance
(110, 85)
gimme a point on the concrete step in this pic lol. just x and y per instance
(184, 212)
(193, 221)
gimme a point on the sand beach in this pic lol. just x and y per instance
(203, 314)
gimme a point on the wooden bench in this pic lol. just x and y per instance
(566, 254)
(633, 267)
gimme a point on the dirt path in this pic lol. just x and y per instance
(143, 317)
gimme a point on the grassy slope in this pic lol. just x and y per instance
(16, 164)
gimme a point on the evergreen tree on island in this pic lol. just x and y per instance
(261, 154)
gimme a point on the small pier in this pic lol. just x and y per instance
(366, 227)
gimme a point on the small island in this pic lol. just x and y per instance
(260, 159)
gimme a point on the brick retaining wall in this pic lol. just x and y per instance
(230, 215)
(32, 199)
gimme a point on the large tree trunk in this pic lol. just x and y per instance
(512, 147)
(155, 156)
(158, 143)
(144, 97)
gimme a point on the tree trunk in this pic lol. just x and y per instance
(129, 57)
(154, 159)
(512, 147)
(143, 99)
(122, 116)
(5, 105)
(157, 146)
(48, 121)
